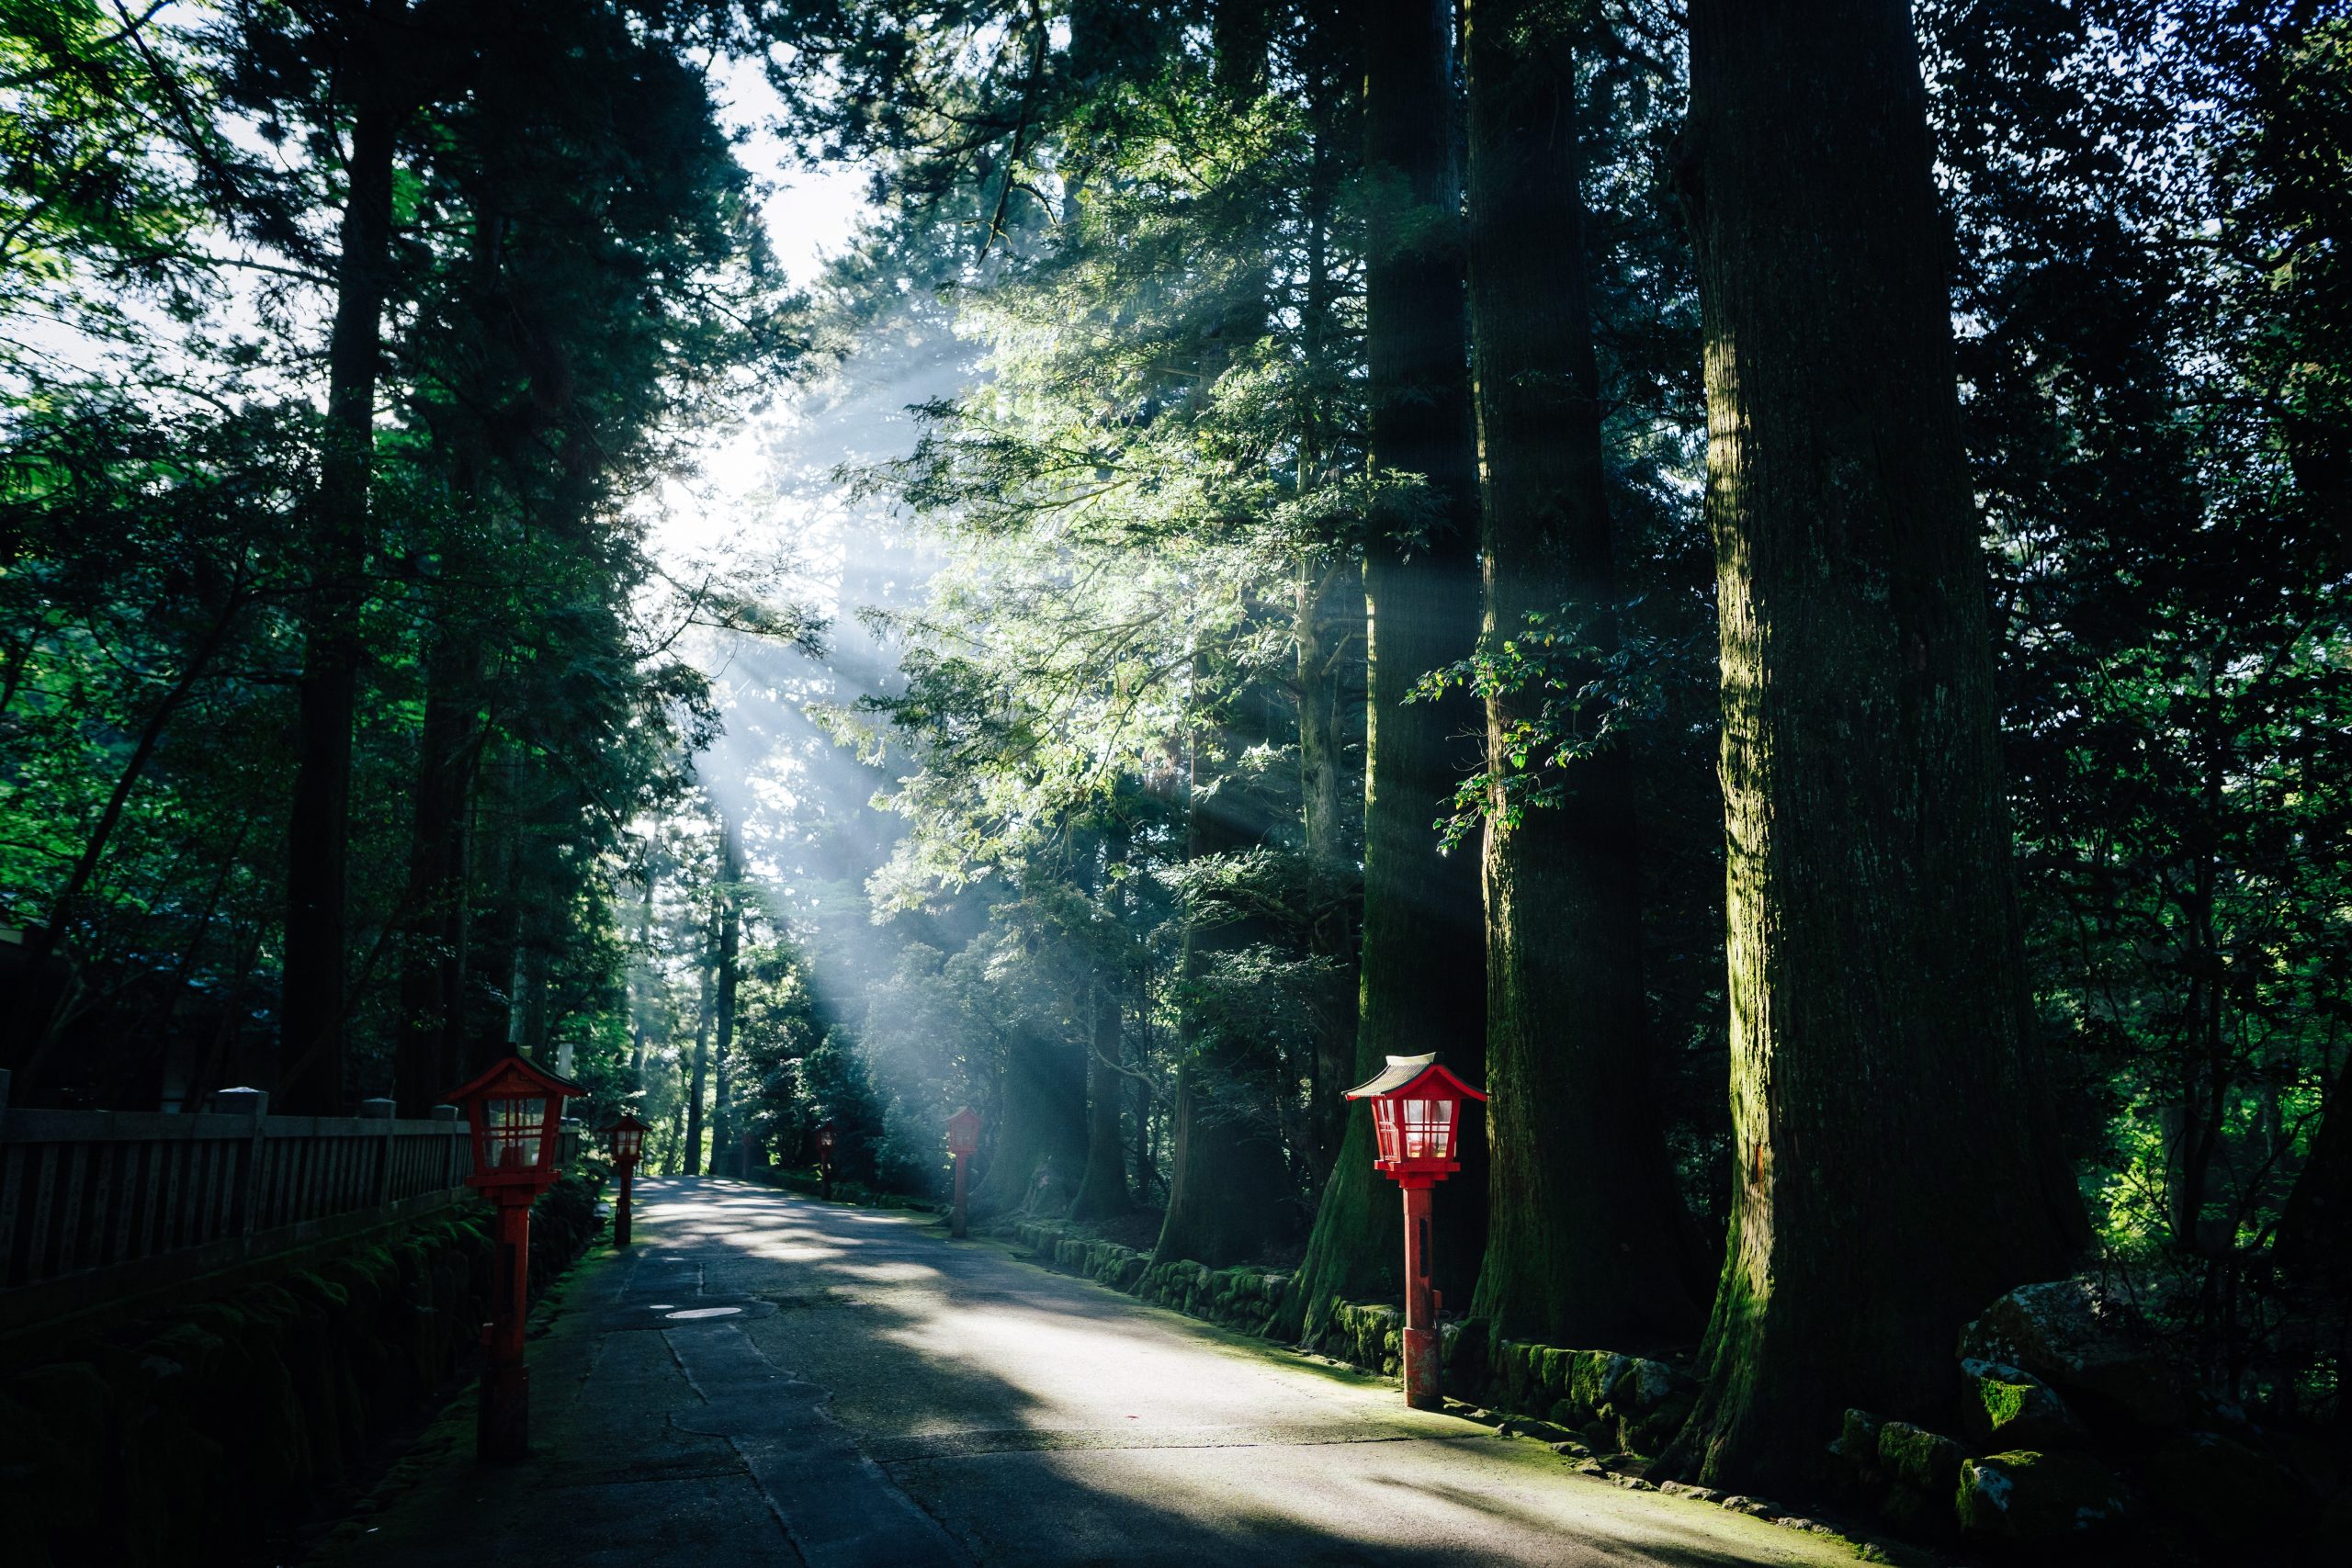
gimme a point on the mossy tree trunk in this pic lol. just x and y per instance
(1422, 986)
(1587, 1243)
(1898, 1163)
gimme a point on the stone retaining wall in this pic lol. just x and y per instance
(1613, 1402)
(1244, 1299)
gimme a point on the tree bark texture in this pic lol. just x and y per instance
(432, 981)
(1228, 1185)
(643, 980)
(1329, 611)
(700, 1077)
(310, 1012)
(723, 1152)
(1587, 1240)
(1103, 1190)
(1421, 987)
(1897, 1162)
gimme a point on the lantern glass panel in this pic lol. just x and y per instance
(626, 1141)
(1428, 1129)
(512, 1129)
(1414, 1129)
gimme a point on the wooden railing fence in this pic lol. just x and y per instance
(98, 1203)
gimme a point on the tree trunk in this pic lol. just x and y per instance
(1229, 1186)
(1587, 1237)
(1228, 1194)
(731, 941)
(312, 1005)
(2315, 1227)
(1897, 1161)
(493, 1030)
(1329, 615)
(1328, 640)
(1422, 986)
(1103, 1190)
(1041, 1126)
(642, 981)
(1145, 1153)
(701, 1075)
(431, 987)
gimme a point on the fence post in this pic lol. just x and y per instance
(4, 1093)
(449, 1147)
(383, 1109)
(255, 1102)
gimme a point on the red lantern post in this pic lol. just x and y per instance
(515, 1111)
(627, 1139)
(963, 1137)
(1417, 1118)
(825, 1159)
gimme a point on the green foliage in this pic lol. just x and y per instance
(579, 283)
(2176, 652)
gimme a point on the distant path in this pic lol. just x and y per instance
(854, 1391)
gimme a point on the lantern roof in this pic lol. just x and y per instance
(1413, 1074)
(513, 1075)
(965, 1114)
(628, 1121)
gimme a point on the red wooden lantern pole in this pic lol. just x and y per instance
(963, 1137)
(627, 1136)
(825, 1159)
(514, 1112)
(1416, 1120)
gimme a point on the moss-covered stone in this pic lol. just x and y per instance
(2071, 1335)
(1857, 1442)
(2006, 1407)
(1929, 1460)
(1595, 1375)
(2039, 1502)
(1643, 1385)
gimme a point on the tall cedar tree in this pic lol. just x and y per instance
(1421, 982)
(311, 1009)
(1897, 1167)
(725, 1134)
(1586, 1242)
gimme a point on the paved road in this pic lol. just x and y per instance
(766, 1379)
